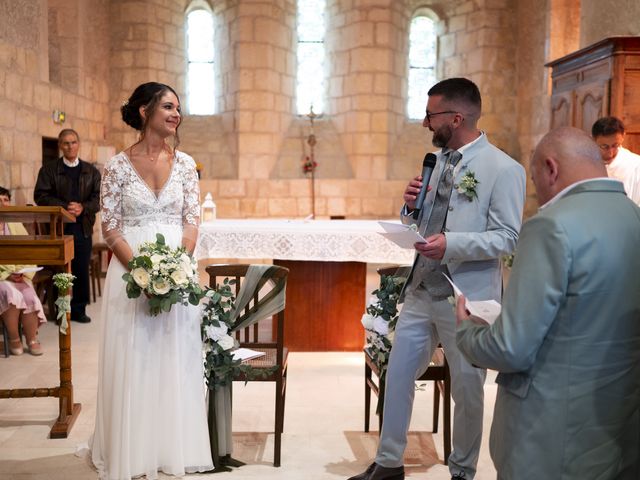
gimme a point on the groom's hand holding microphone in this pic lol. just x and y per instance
(413, 197)
(418, 187)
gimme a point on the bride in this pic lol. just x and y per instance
(151, 412)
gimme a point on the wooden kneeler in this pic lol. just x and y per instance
(56, 250)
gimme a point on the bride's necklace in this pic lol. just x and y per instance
(153, 158)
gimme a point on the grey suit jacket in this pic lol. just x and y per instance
(567, 344)
(478, 231)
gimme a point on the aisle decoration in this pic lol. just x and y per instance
(220, 365)
(63, 282)
(165, 275)
(223, 315)
(379, 322)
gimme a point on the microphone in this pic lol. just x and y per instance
(428, 164)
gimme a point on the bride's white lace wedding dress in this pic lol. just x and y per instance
(151, 413)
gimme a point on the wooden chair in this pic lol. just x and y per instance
(438, 372)
(5, 339)
(95, 268)
(43, 285)
(252, 337)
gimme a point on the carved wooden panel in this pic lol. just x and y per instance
(591, 103)
(561, 110)
(599, 80)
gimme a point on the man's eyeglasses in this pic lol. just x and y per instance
(429, 114)
(605, 147)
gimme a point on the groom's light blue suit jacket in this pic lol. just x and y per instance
(478, 231)
(567, 343)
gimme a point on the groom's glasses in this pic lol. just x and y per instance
(430, 115)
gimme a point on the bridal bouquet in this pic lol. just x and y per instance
(165, 275)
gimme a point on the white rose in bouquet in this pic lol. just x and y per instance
(179, 277)
(227, 342)
(380, 325)
(161, 286)
(216, 333)
(166, 268)
(157, 258)
(367, 321)
(186, 264)
(141, 277)
(188, 270)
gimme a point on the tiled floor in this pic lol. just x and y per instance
(323, 435)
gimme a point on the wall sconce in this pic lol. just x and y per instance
(59, 117)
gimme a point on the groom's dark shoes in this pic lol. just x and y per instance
(378, 472)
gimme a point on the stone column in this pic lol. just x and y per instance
(147, 44)
(263, 81)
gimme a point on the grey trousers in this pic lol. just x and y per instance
(422, 324)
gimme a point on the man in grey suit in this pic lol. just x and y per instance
(567, 343)
(470, 218)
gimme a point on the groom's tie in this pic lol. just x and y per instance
(433, 279)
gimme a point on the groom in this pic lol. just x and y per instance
(470, 218)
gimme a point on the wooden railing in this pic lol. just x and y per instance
(56, 250)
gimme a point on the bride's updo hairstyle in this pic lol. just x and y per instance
(147, 95)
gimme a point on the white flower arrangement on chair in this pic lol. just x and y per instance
(380, 320)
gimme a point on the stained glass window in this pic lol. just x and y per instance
(310, 78)
(200, 78)
(422, 64)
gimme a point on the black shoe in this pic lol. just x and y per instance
(81, 318)
(378, 472)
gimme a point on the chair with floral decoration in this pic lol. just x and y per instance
(437, 371)
(265, 335)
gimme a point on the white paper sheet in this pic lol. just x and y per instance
(29, 269)
(246, 354)
(487, 310)
(402, 235)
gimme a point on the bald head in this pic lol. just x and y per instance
(564, 156)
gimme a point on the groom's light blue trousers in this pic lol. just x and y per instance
(422, 324)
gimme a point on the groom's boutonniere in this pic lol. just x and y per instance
(467, 185)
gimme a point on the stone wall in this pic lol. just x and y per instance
(28, 97)
(367, 149)
(86, 57)
(600, 19)
(547, 29)
(147, 44)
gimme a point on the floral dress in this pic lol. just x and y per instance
(151, 413)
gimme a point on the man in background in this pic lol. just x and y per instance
(623, 165)
(567, 343)
(73, 184)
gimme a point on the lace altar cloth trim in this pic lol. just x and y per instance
(313, 240)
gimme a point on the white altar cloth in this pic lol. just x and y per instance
(308, 240)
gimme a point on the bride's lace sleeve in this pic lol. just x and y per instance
(191, 204)
(111, 210)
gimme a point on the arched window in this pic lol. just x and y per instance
(422, 62)
(310, 77)
(200, 75)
